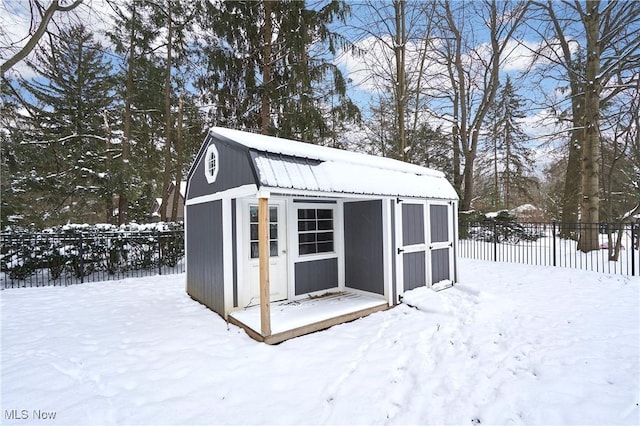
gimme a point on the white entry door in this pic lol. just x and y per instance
(249, 293)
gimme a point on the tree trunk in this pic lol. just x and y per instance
(572, 180)
(123, 202)
(455, 135)
(507, 171)
(591, 151)
(107, 166)
(179, 144)
(166, 176)
(496, 197)
(265, 113)
(400, 89)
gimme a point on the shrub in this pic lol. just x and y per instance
(79, 250)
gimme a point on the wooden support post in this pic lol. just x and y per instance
(263, 253)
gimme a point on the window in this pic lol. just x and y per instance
(211, 164)
(315, 231)
(253, 231)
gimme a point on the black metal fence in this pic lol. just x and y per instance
(42, 259)
(552, 244)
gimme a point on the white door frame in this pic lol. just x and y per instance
(401, 249)
(278, 265)
(440, 245)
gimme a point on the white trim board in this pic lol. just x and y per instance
(241, 191)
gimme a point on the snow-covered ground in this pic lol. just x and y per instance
(511, 344)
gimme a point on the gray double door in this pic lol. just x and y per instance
(424, 232)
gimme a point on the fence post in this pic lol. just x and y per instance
(159, 253)
(495, 240)
(634, 242)
(81, 251)
(553, 224)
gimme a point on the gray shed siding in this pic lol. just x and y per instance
(205, 280)
(234, 170)
(439, 223)
(316, 275)
(440, 265)
(413, 265)
(364, 263)
(412, 224)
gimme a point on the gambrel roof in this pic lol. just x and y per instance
(286, 164)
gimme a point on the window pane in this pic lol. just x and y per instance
(325, 236)
(254, 231)
(254, 250)
(273, 248)
(306, 214)
(307, 248)
(273, 231)
(325, 247)
(325, 214)
(273, 214)
(306, 225)
(253, 214)
(325, 224)
(306, 238)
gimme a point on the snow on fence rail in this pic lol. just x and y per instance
(86, 254)
(552, 244)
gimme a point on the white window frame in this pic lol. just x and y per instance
(211, 172)
(293, 225)
(316, 231)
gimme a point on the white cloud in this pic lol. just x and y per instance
(518, 55)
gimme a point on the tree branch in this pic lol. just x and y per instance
(42, 28)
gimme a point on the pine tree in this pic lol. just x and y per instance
(431, 148)
(287, 86)
(14, 160)
(64, 146)
(139, 120)
(505, 151)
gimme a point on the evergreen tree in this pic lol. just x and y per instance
(431, 148)
(288, 86)
(141, 115)
(511, 161)
(14, 160)
(62, 164)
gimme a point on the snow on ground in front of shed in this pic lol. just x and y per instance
(510, 344)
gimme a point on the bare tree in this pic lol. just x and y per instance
(595, 45)
(471, 70)
(46, 15)
(394, 38)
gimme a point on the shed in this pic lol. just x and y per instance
(284, 238)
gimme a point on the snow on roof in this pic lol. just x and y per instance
(317, 152)
(280, 164)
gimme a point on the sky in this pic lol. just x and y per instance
(364, 88)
